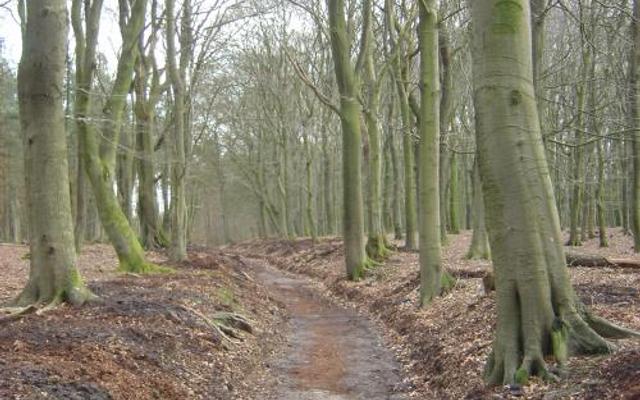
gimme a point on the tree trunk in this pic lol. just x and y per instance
(99, 143)
(538, 312)
(410, 210)
(397, 193)
(178, 245)
(125, 171)
(577, 199)
(309, 212)
(376, 243)
(454, 195)
(150, 230)
(635, 116)
(600, 193)
(53, 276)
(431, 274)
(479, 249)
(348, 86)
(330, 227)
(446, 107)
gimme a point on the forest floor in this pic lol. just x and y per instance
(314, 334)
(148, 337)
(443, 348)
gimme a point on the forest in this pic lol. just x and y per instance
(319, 199)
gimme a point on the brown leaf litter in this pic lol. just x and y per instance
(444, 347)
(146, 339)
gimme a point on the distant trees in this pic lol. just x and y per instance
(12, 225)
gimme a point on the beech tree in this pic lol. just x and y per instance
(634, 104)
(429, 132)
(53, 275)
(538, 311)
(99, 143)
(349, 87)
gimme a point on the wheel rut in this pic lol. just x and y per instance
(333, 353)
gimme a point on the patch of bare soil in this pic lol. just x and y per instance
(149, 338)
(444, 347)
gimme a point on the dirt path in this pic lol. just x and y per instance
(333, 353)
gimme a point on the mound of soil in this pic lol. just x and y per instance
(149, 337)
(444, 347)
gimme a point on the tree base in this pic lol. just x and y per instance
(477, 254)
(367, 265)
(574, 242)
(76, 294)
(144, 268)
(577, 333)
(377, 248)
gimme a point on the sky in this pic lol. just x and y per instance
(108, 41)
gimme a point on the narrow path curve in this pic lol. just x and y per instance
(334, 353)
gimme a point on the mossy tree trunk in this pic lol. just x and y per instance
(376, 243)
(100, 142)
(431, 273)
(148, 91)
(538, 312)
(349, 87)
(53, 276)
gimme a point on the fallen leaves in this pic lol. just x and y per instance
(443, 348)
(139, 342)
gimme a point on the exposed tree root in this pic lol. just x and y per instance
(228, 326)
(577, 333)
(28, 302)
(608, 329)
(235, 321)
(13, 313)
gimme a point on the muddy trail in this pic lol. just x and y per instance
(333, 353)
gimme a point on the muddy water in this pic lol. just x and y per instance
(333, 353)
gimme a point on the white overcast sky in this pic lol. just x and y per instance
(109, 40)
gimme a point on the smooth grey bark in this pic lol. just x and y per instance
(431, 271)
(178, 245)
(634, 97)
(479, 248)
(538, 312)
(350, 111)
(53, 276)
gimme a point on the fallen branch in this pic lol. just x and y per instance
(597, 261)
